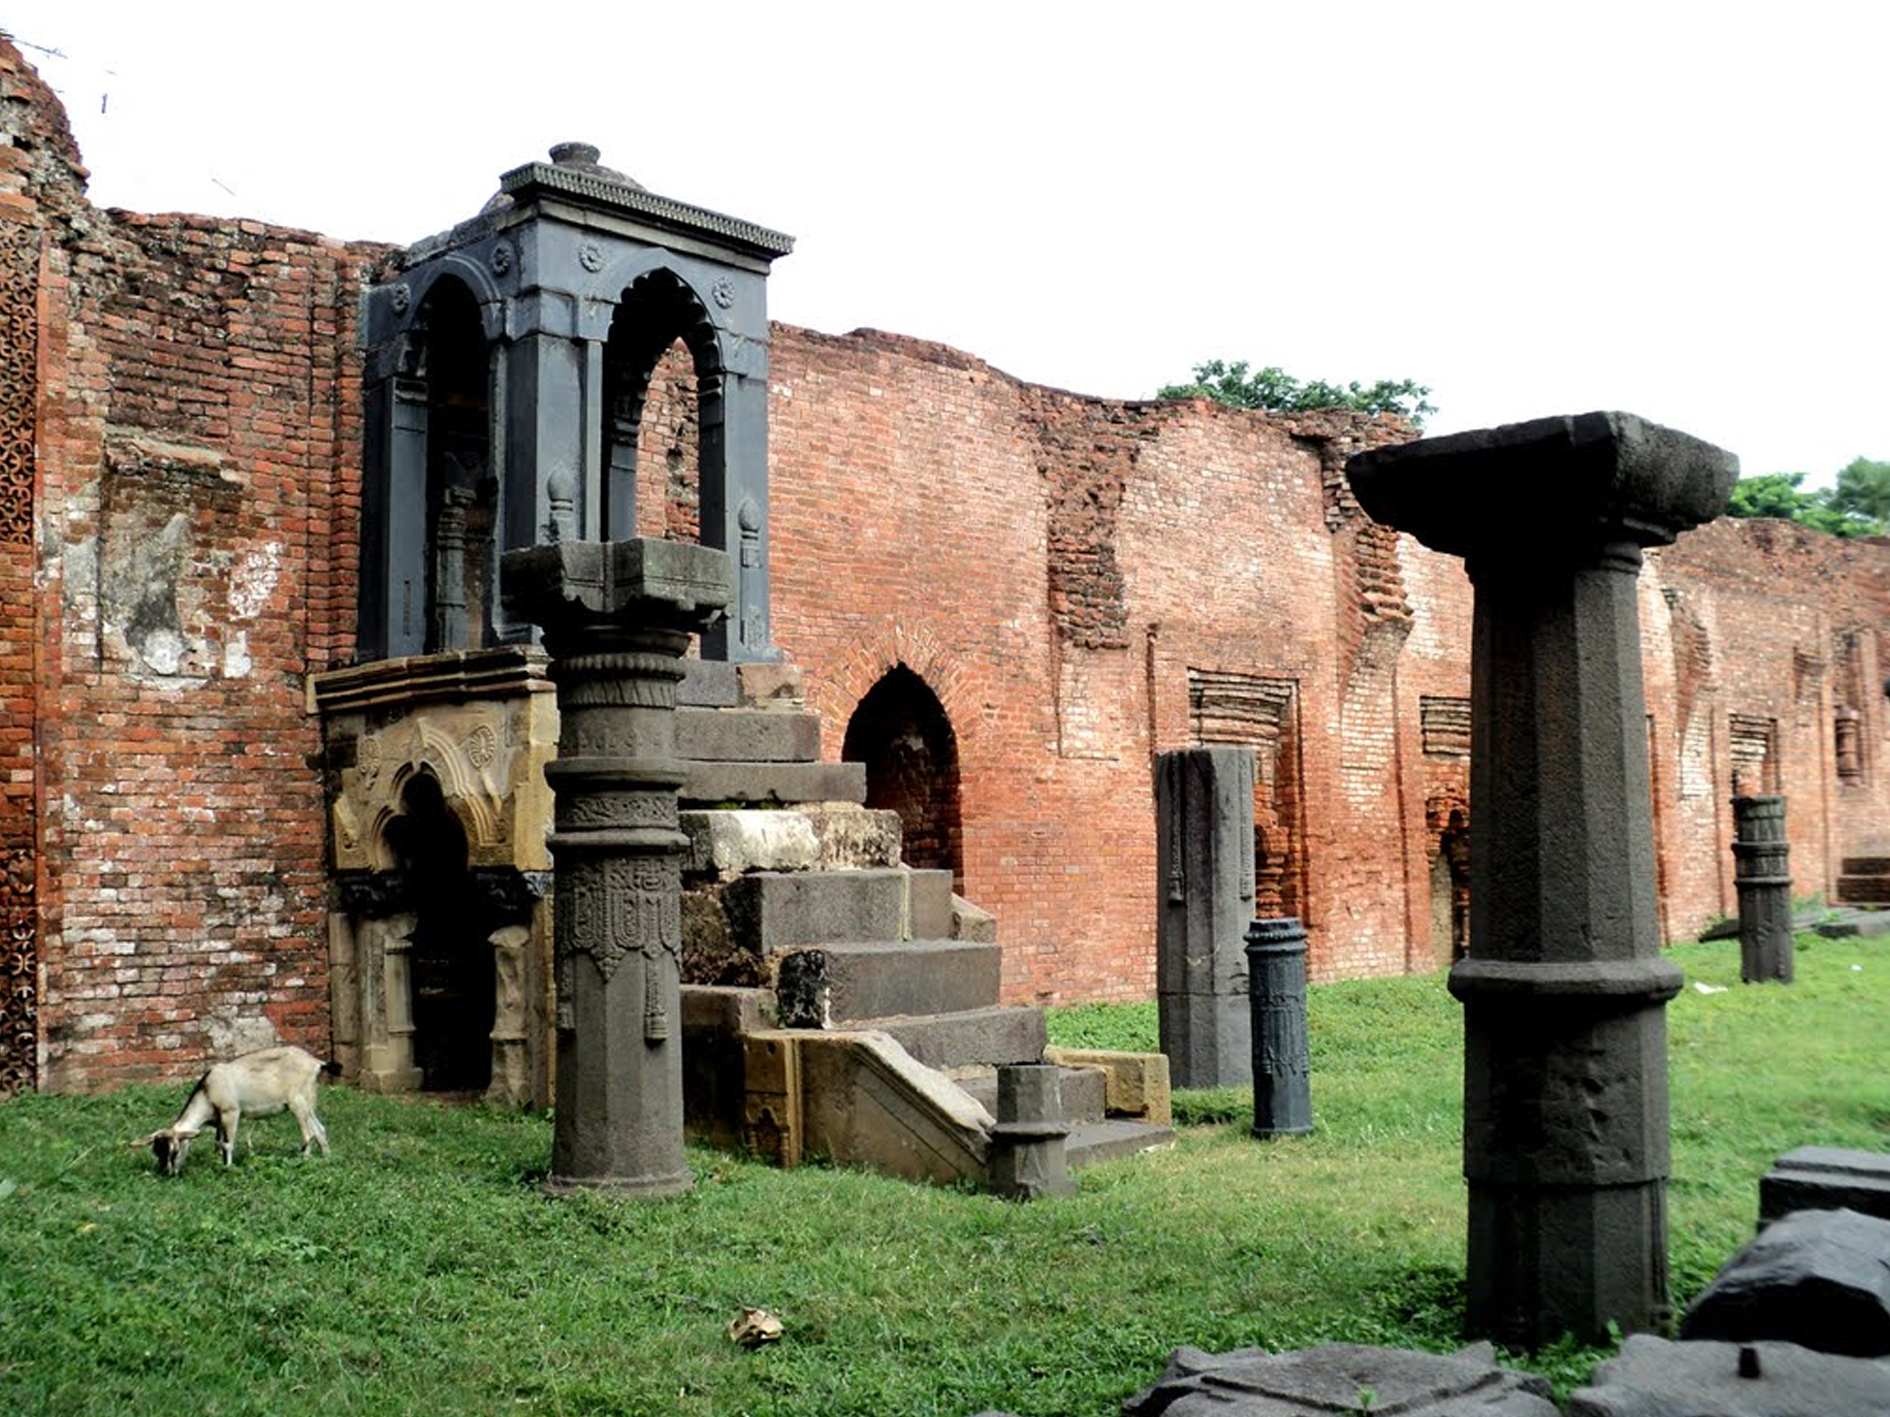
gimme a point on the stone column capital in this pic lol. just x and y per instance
(1568, 487)
(578, 586)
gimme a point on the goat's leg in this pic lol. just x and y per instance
(313, 1132)
(226, 1135)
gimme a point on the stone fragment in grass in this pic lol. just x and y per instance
(1339, 1377)
(1820, 1278)
(1655, 1377)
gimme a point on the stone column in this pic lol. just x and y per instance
(1282, 1054)
(1028, 1158)
(1205, 873)
(1565, 1067)
(1762, 876)
(616, 618)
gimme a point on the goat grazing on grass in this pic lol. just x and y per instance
(258, 1084)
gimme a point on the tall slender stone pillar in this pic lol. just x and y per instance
(1205, 873)
(1565, 1066)
(616, 618)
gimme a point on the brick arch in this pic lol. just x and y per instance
(902, 733)
(893, 645)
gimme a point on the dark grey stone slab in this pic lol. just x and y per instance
(1085, 1094)
(1655, 1377)
(1820, 1278)
(1826, 1178)
(974, 1038)
(1113, 1138)
(1346, 1378)
(833, 985)
(1851, 924)
(713, 784)
(778, 910)
(745, 735)
(1205, 897)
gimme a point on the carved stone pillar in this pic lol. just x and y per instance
(1762, 875)
(1204, 853)
(617, 617)
(1565, 1086)
(386, 979)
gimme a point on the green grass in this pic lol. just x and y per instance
(420, 1271)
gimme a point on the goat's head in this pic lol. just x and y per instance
(169, 1146)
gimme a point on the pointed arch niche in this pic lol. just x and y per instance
(903, 735)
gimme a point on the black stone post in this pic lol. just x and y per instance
(1028, 1158)
(617, 617)
(1762, 876)
(1565, 1058)
(1282, 1062)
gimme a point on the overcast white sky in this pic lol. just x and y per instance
(1673, 209)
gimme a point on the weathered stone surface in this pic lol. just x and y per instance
(1136, 1085)
(1820, 1278)
(1205, 877)
(1083, 1090)
(1339, 1378)
(866, 1101)
(974, 1038)
(852, 837)
(747, 735)
(714, 1022)
(708, 683)
(1027, 1160)
(1849, 924)
(971, 923)
(1655, 1377)
(824, 986)
(1565, 1085)
(710, 784)
(1826, 1178)
(729, 843)
(1113, 1138)
(769, 910)
(774, 684)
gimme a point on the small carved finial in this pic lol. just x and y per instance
(575, 154)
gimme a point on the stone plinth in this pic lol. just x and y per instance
(1565, 1081)
(1205, 873)
(1762, 875)
(1826, 1178)
(617, 617)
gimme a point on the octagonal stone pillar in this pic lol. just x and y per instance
(1565, 1066)
(617, 617)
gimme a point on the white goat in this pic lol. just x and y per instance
(257, 1083)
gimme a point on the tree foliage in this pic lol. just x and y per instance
(1858, 505)
(1238, 385)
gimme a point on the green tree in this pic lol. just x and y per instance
(1859, 505)
(1237, 385)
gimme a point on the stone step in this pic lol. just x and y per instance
(721, 783)
(1113, 1138)
(770, 911)
(832, 985)
(747, 735)
(972, 1038)
(1082, 1088)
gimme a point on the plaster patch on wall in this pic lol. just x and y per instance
(254, 580)
(236, 662)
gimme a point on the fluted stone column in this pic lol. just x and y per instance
(1565, 1068)
(617, 617)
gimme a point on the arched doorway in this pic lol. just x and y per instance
(901, 732)
(450, 959)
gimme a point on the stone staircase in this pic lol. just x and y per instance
(836, 1001)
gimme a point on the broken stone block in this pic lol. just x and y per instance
(1826, 1178)
(1340, 1378)
(1820, 1278)
(1655, 1377)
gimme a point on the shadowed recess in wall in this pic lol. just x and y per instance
(902, 734)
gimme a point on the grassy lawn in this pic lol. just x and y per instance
(420, 1271)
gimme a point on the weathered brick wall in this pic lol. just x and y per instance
(1080, 582)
